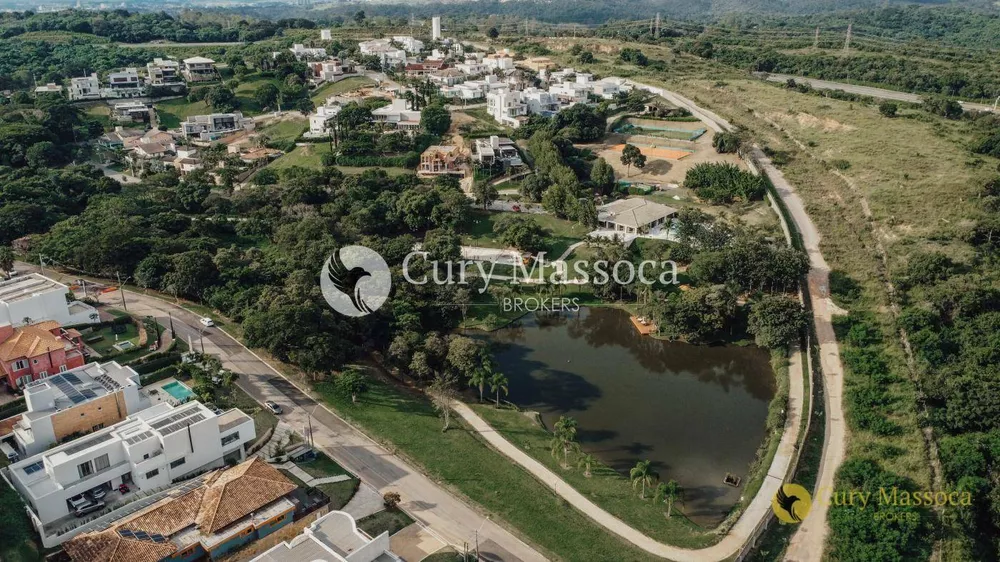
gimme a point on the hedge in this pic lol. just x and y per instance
(159, 375)
(13, 408)
(159, 362)
(99, 325)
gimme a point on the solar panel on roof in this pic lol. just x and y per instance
(87, 393)
(33, 468)
(71, 377)
(157, 537)
(126, 533)
(141, 535)
(182, 424)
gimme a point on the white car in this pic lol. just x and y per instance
(207, 322)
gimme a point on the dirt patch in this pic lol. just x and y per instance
(811, 121)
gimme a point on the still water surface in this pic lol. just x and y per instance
(697, 412)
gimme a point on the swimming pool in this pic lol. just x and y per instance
(179, 391)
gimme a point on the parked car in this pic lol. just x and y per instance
(90, 507)
(8, 452)
(97, 493)
(273, 406)
(207, 322)
(78, 501)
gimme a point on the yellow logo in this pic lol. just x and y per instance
(791, 503)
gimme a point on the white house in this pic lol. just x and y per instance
(496, 150)
(50, 88)
(319, 121)
(300, 52)
(608, 88)
(410, 45)
(163, 72)
(211, 127)
(500, 60)
(569, 93)
(39, 298)
(76, 402)
(333, 537)
(388, 54)
(333, 70)
(506, 107)
(539, 102)
(149, 450)
(131, 111)
(399, 115)
(199, 69)
(471, 67)
(85, 88)
(634, 215)
(325, 35)
(124, 84)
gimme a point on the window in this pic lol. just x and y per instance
(20, 364)
(62, 368)
(98, 426)
(230, 438)
(178, 462)
(86, 469)
(152, 473)
(43, 374)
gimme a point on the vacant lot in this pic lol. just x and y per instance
(346, 85)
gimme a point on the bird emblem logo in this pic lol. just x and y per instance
(355, 281)
(791, 503)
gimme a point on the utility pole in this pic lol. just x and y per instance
(171, 318)
(816, 39)
(847, 42)
(122, 290)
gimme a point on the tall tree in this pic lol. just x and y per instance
(442, 393)
(632, 156)
(6, 261)
(642, 475)
(564, 439)
(499, 383)
(667, 492)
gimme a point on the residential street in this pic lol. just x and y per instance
(447, 516)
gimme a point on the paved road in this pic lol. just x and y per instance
(810, 539)
(880, 93)
(116, 175)
(445, 515)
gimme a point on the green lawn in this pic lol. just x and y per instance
(321, 467)
(286, 130)
(459, 460)
(170, 113)
(392, 520)
(311, 156)
(346, 85)
(340, 492)
(606, 487)
(104, 346)
(560, 234)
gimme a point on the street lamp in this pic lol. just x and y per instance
(477, 536)
(121, 285)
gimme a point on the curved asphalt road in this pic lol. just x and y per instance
(445, 515)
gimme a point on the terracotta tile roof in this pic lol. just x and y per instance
(239, 491)
(109, 546)
(30, 341)
(48, 325)
(226, 497)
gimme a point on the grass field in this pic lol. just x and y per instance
(286, 129)
(321, 467)
(457, 459)
(311, 156)
(171, 112)
(560, 234)
(392, 521)
(606, 487)
(320, 94)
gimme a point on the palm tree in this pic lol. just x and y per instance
(498, 383)
(667, 493)
(480, 376)
(586, 461)
(564, 439)
(642, 475)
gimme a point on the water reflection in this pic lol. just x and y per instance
(696, 412)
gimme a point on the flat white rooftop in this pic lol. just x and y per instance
(24, 287)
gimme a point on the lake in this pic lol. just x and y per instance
(697, 412)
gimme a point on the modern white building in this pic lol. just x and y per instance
(409, 44)
(496, 150)
(333, 70)
(319, 122)
(163, 72)
(148, 451)
(85, 88)
(325, 35)
(216, 125)
(388, 54)
(39, 298)
(539, 102)
(131, 111)
(608, 88)
(501, 60)
(506, 107)
(76, 402)
(436, 28)
(570, 93)
(332, 538)
(50, 88)
(399, 115)
(199, 69)
(124, 84)
(301, 52)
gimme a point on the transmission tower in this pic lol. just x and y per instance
(656, 34)
(816, 39)
(847, 42)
